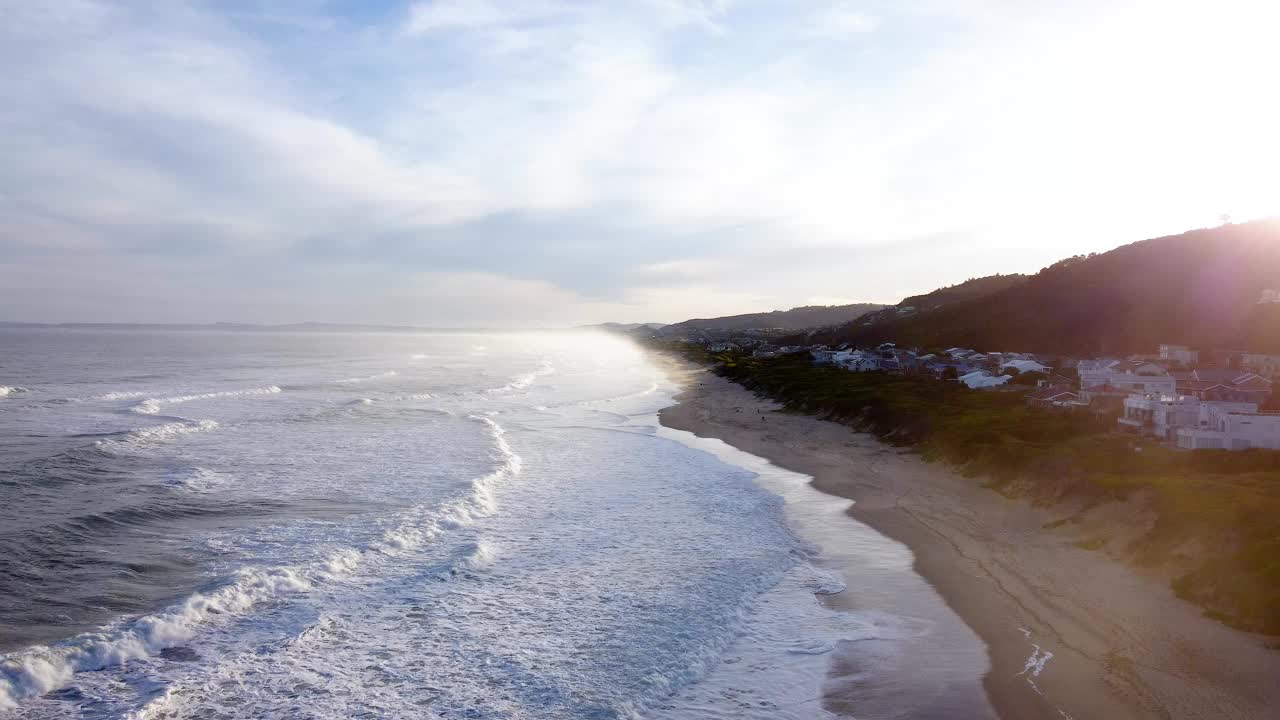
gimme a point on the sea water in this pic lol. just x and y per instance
(232, 524)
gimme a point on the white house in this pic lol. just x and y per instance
(1025, 366)
(1220, 429)
(1180, 354)
(979, 379)
(1162, 417)
(1133, 376)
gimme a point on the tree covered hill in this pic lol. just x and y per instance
(1200, 288)
(811, 316)
(967, 290)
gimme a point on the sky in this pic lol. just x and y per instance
(557, 162)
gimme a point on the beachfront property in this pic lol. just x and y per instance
(1220, 428)
(1201, 407)
(1163, 416)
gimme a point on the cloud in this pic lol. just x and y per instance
(843, 21)
(649, 158)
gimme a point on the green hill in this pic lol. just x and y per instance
(801, 318)
(1200, 288)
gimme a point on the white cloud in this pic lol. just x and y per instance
(702, 154)
(843, 21)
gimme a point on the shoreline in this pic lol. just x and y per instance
(1069, 632)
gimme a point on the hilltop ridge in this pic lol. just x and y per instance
(798, 318)
(1204, 288)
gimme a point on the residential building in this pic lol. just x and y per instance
(1224, 384)
(1267, 366)
(1179, 355)
(1220, 429)
(1053, 397)
(1162, 417)
(980, 379)
(1133, 376)
(1024, 366)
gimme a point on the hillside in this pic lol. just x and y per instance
(616, 327)
(1200, 288)
(967, 290)
(801, 318)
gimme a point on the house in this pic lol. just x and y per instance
(1024, 366)
(1162, 417)
(1053, 396)
(1224, 384)
(1226, 430)
(1179, 355)
(1267, 366)
(1133, 376)
(980, 379)
(823, 356)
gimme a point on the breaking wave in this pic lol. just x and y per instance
(368, 378)
(11, 390)
(151, 406)
(120, 395)
(143, 436)
(42, 669)
(524, 381)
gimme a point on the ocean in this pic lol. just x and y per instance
(236, 524)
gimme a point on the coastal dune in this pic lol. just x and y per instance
(1070, 633)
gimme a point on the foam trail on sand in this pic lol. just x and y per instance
(1035, 663)
(152, 406)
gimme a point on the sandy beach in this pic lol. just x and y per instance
(1069, 632)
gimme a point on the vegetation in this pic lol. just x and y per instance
(1200, 289)
(1217, 514)
(810, 316)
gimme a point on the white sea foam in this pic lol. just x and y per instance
(1035, 663)
(41, 669)
(11, 390)
(198, 480)
(151, 406)
(476, 502)
(367, 378)
(524, 381)
(479, 555)
(143, 436)
(119, 395)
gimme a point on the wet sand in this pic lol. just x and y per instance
(1069, 633)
